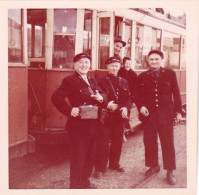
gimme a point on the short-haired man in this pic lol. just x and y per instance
(81, 90)
(158, 101)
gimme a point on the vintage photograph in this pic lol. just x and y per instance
(97, 98)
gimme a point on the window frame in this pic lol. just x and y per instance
(23, 60)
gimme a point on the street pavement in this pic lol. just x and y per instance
(48, 167)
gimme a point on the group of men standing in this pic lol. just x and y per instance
(96, 142)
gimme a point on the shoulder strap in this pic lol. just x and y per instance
(113, 89)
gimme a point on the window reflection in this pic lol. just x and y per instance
(87, 32)
(171, 50)
(29, 30)
(104, 41)
(146, 39)
(183, 55)
(36, 27)
(64, 37)
(38, 41)
(14, 36)
(128, 32)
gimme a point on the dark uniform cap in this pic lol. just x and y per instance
(157, 52)
(81, 55)
(112, 59)
(119, 39)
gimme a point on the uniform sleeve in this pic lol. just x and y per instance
(102, 93)
(176, 94)
(58, 97)
(127, 102)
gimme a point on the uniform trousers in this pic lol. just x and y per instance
(82, 152)
(109, 144)
(159, 123)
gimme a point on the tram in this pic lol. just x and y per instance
(43, 42)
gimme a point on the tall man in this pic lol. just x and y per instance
(80, 90)
(158, 101)
(119, 102)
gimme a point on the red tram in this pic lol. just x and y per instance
(43, 42)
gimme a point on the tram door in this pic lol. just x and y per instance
(36, 30)
(105, 37)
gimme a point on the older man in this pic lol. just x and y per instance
(81, 90)
(118, 106)
(158, 101)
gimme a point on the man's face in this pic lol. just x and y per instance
(117, 47)
(113, 68)
(127, 64)
(154, 61)
(82, 66)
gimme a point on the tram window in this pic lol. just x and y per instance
(118, 25)
(146, 39)
(36, 27)
(87, 32)
(183, 54)
(14, 35)
(38, 41)
(104, 41)
(171, 50)
(64, 37)
(128, 33)
(29, 29)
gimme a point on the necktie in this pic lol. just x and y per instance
(86, 79)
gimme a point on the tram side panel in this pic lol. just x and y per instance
(54, 119)
(17, 108)
(37, 99)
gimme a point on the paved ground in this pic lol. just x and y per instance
(48, 167)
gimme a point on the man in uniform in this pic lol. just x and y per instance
(158, 101)
(80, 90)
(118, 106)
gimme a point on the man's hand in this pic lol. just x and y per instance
(112, 106)
(74, 112)
(178, 117)
(144, 111)
(97, 96)
(124, 112)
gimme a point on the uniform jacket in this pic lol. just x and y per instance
(121, 89)
(76, 89)
(159, 93)
(131, 77)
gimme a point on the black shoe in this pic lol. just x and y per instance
(171, 180)
(152, 170)
(119, 169)
(97, 174)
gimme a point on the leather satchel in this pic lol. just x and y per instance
(88, 112)
(104, 115)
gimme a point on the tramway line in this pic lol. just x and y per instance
(43, 42)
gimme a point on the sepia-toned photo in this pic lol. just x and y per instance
(98, 98)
